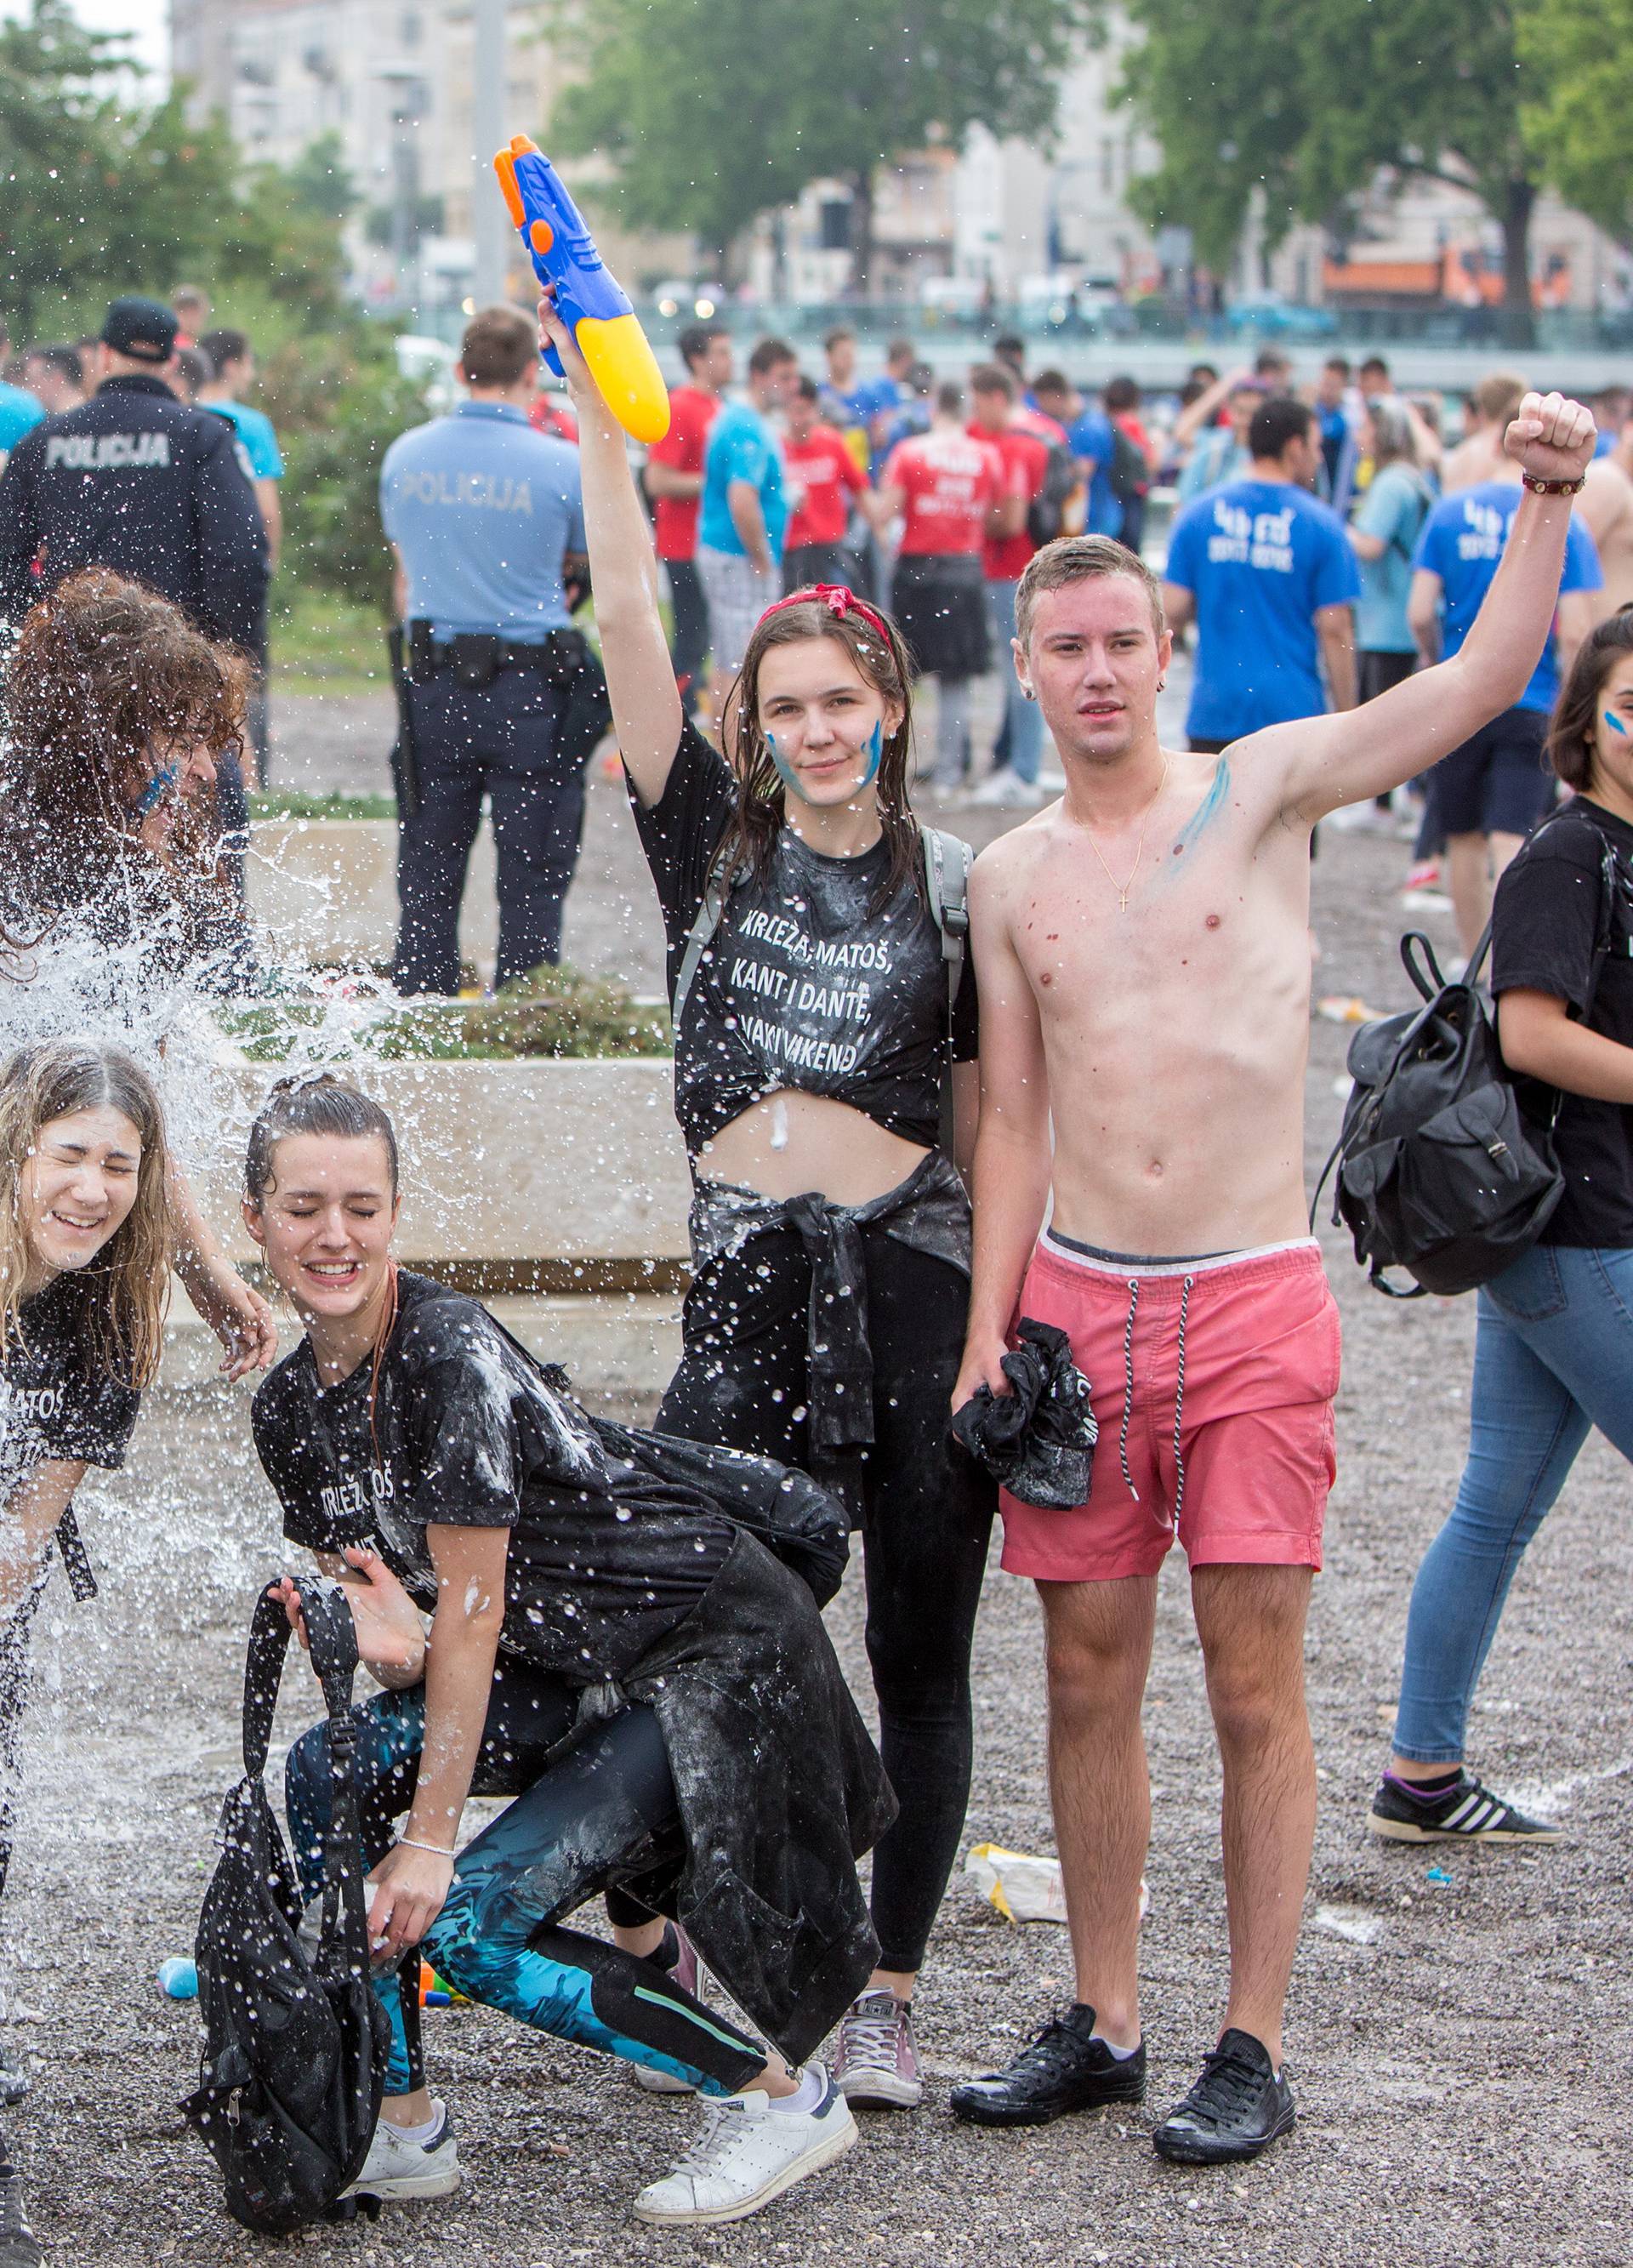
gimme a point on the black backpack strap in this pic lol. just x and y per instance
(334, 1638)
(947, 862)
(717, 890)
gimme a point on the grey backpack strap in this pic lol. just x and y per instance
(947, 860)
(707, 921)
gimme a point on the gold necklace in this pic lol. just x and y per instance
(1123, 888)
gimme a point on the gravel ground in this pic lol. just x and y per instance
(1460, 2046)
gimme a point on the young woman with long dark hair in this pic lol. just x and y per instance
(113, 908)
(1553, 1347)
(717, 1769)
(817, 1037)
(84, 1253)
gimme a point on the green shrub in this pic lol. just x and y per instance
(554, 1013)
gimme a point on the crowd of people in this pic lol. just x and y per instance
(939, 1117)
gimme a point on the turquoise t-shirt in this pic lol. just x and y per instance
(1394, 507)
(255, 431)
(741, 447)
(19, 414)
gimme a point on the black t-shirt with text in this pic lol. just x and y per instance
(59, 1397)
(1550, 919)
(468, 1432)
(806, 984)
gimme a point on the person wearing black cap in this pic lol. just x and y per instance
(135, 481)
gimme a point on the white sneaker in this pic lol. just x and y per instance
(748, 2152)
(395, 2169)
(1006, 791)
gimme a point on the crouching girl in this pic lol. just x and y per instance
(717, 1770)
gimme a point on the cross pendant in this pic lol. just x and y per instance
(1123, 902)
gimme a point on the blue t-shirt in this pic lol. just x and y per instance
(1218, 457)
(255, 431)
(1259, 558)
(1462, 542)
(1395, 505)
(482, 509)
(1090, 435)
(741, 447)
(19, 414)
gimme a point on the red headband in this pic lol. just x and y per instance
(838, 599)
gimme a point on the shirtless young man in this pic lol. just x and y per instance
(1144, 972)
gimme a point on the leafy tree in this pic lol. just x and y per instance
(1574, 54)
(710, 115)
(1315, 102)
(100, 192)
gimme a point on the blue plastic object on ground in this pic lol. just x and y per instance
(178, 1979)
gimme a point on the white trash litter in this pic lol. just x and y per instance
(1024, 1887)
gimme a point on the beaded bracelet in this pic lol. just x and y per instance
(408, 1842)
(1554, 488)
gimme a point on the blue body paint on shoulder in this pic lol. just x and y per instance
(1194, 827)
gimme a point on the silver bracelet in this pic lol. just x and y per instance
(408, 1842)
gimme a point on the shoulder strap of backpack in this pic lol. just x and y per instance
(716, 889)
(334, 1638)
(947, 862)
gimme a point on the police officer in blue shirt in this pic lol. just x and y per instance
(487, 522)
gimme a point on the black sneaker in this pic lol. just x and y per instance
(1465, 1812)
(19, 2247)
(1064, 2069)
(1237, 2107)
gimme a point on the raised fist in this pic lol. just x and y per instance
(1551, 438)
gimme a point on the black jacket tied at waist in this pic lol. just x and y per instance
(928, 1212)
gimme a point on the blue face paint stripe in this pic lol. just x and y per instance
(156, 790)
(1615, 724)
(871, 752)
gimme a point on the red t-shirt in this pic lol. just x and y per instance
(948, 483)
(553, 419)
(683, 448)
(1024, 457)
(822, 478)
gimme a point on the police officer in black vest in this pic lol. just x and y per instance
(135, 480)
(498, 692)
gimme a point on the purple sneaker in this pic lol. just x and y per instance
(688, 1972)
(875, 2062)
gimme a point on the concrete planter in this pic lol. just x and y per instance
(326, 889)
(531, 1176)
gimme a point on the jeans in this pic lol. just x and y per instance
(1553, 1357)
(500, 740)
(594, 1815)
(743, 1381)
(1023, 720)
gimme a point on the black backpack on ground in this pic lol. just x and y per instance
(296, 2041)
(1438, 1172)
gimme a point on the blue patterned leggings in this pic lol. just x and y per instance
(602, 1814)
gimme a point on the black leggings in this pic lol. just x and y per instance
(601, 1812)
(926, 1519)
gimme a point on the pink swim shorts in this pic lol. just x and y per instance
(1212, 1382)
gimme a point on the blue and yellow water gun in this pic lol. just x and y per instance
(589, 302)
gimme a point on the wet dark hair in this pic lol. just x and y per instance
(102, 669)
(1571, 732)
(315, 1103)
(1121, 394)
(752, 834)
(696, 339)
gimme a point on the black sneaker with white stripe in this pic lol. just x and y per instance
(1465, 1812)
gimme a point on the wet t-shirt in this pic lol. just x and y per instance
(1553, 932)
(603, 1559)
(807, 982)
(61, 1396)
